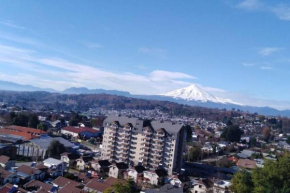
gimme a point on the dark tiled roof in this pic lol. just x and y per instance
(26, 169)
(61, 181)
(104, 163)
(4, 159)
(140, 169)
(5, 173)
(161, 172)
(122, 165)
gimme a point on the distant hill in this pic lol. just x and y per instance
(192, 96)
(11, 86)
(84, 90)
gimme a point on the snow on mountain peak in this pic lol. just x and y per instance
(195, 93)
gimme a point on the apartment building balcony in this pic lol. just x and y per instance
(157, 149)
(160, 134)
(158, 139)
(126, 142)
(160, 145)
(111, 146)
(112, 134)
(146, 132)
(145, 142)
(126, 128)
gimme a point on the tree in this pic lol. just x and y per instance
(33, 121)
(21, 120)
(128, 187)
(42, 127)
(55, 149)
(194, 153)
(242, 182)
(274, 177)
(266, 133)
(232, 133)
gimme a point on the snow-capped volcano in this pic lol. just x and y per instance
(195, 93)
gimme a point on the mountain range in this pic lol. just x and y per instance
(191, 95)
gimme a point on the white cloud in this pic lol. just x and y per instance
(250, 4)
(282, 11)
(59, 74)
(158, 52)
(246, 64)
(266, 68)
(268, 50)
(11, 24)
(91, 44)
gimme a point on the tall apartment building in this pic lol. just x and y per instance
(151, 143)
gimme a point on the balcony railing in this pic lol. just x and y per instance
(160, 135)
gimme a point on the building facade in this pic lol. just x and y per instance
(150, 143)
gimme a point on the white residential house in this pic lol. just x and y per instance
(80, 164)
(118, 169)
(151, 177)
(136, 173)
(56, 167)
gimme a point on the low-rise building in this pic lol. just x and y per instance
(6, 162)
(136, 173)
(56, 167)
(117, 170)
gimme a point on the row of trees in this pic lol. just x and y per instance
(22, 119)
(274, 177)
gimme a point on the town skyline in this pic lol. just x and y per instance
(133, 47)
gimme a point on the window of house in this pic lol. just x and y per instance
(200, 186)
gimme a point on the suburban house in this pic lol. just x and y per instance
(154, 177)
(81, 132)
(247, 164)
(27, 173)
(136, 173)
(101, 165)
(80, 164)
(167, 188)
(100, 186)
(56, 167)
(179, 180)
(6, 163)
(69, 158)
(62, 182)
(202, 186)
(38, 186)
(221, 186)
(11, 188)
(8, 177)
(223, 144)
(117, 169)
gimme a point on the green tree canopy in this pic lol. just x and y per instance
(242, 182)
(194, 153)
(232, 133)
(33, 121)
(274, 177)
(128, 187)
(21, 120)
(55, 149)
(42, 127)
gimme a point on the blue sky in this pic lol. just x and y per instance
(233, 49)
